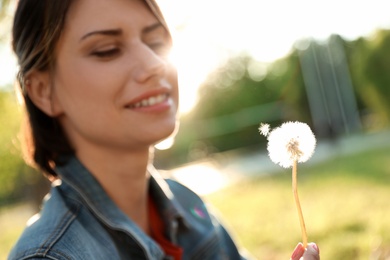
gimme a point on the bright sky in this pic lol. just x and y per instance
(211, 30)
(267, 29)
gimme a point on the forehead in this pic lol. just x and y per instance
(97, 14)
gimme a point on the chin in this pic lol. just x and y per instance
(169, 133)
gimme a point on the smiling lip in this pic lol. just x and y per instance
(155, 99)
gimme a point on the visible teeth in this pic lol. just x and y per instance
(161, 98)
(145, 102)
(151, 101)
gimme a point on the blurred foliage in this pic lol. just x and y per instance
(10, 157)
(3, 7)
(5, 20)
(17, 181)
(370, 64)
(243, 92)
(232, 102)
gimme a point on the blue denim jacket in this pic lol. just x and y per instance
(79, 221)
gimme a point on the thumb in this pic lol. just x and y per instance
(312, 252)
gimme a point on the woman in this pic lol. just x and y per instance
(100, 92)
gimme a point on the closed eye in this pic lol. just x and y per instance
(160, 48)
(109, 53)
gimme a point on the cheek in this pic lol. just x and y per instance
(82, 85)
(86, 99)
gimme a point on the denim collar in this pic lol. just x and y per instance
(75, 177)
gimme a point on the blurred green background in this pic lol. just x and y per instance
(339, 87)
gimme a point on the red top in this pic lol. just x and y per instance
(157, 233)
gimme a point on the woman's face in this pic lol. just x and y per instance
(112, 84)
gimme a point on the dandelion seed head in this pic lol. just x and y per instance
(264, 129)
(289, 142)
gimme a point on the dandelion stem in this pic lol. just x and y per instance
(300, 215)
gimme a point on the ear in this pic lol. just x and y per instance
(39, 88)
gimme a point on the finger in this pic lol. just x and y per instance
(312, 252)
(298, 252)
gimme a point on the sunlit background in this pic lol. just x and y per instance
(208, 32)
(260, 57)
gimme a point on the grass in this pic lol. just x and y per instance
(345, 203)
(12, 222)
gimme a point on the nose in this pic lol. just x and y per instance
(148, 64)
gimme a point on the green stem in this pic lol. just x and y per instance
(300, 215)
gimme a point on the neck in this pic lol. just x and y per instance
(125, 179)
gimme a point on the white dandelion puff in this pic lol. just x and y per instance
(264, 129)
(292, 141)
(290, 144)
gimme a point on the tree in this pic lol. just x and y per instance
(369, 62)
(234, 100)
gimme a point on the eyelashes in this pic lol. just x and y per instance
(109, 53)
(160, 48)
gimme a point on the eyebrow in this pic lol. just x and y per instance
(116, 32)
(110, 32)
(152, 27)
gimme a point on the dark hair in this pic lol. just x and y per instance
(36, 30)
(37, 27)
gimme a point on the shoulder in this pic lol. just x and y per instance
(192, 204)
(189, 200)
(181, 190)
(204, 219)
(45, 229)
(62, 230)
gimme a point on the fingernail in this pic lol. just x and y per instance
(313, 245)
(297, 251)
